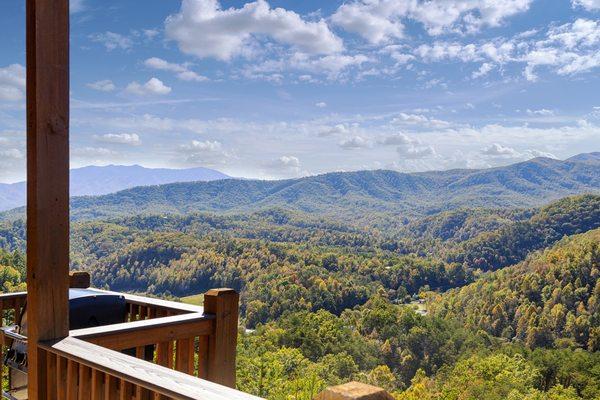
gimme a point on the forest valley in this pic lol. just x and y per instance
(509, 298)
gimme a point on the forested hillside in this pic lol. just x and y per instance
(550, 299)
(512, 242)
(12, 271)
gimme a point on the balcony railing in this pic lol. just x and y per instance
(181, 352)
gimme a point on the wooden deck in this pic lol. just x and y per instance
(192, 352)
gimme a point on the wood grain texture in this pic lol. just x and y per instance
(222, 344)
(146, 332)
(47, 180)
(156, 379)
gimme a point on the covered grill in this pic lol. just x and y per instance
(87, 308)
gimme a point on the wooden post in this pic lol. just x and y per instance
(79, 280)
(47, 181)
(354, 391)
(222, 344)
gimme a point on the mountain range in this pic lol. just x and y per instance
(357, 195)
(94, 181)
(360, 195)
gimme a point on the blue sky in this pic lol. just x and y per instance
(289, 88)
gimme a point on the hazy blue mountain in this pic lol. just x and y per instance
(587, 157)
(360, 195)
(94, 181)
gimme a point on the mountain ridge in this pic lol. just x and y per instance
(359, 194)
(100, 180)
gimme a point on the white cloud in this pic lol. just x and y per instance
(376, 21)
(121, 138)
(204, 29)
(402, 58)
(112, 40)
(483, 70)
(103, 86)
(321, 104)
(582, 32)
(541, 112)
(355, 142)
(397, 139)
(569, 49)
(590, 5)
(412, 152)
(498, 51)
(92, 152)
(181, 70)
(12, 82)
(440, 51)
(497, 150)
(538, 153)
(566, 49)
(207, 145)
(208, 152)
(411, 118)
(333, 66)
(419, 120)
(153, 86)
(12, 153)
(150, 33)
(338, 129)
(285, 164)
(379, 21)
(76, 6)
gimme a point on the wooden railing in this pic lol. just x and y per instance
(160, 340)
(80, 370)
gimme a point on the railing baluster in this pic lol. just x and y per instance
(125, 390)
(85, 380)
(97, 385)
(51, 376)
(182, 355)
(111, 390)
(162, 354)
(72, 372)
(203, 357)
(61, 377)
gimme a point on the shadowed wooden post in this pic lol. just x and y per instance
(222, 346)
(354, 391)
(47, 181)
(79, 280)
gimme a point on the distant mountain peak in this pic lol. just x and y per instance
(586, 157)
(94, 180)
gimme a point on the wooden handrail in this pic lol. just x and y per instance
(147, 332)
(151, 379)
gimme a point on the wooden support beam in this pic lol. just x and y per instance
(47, 180)
(222, 347)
